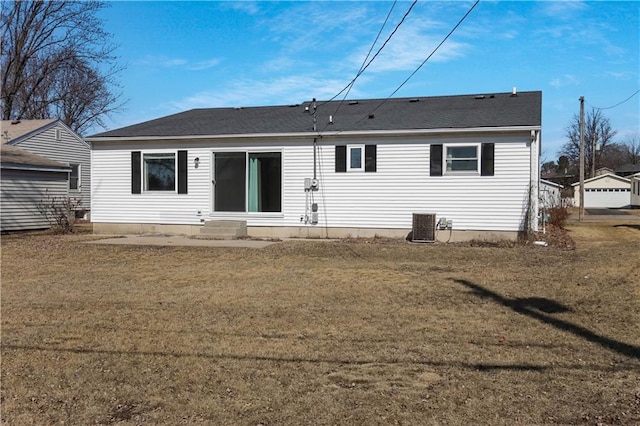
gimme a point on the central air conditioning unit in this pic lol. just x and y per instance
(424, 228)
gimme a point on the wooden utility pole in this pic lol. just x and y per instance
(581, 211)
(594, 144)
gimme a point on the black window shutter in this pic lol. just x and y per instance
(136, 173)
(435, 168)
(370, 158)
(182, 172)
(341, 158)
(486, 165)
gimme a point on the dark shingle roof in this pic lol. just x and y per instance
(439, 112)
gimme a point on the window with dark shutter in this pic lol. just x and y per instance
(370, 158)
(182, 172)
(341, 158)
(487, 161)
(435, 167)
(136, 173)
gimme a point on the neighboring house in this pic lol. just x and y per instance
(52, 139)
(628, 170)
(551, 194)
(605, 191)
(26, 180)
(603, 171)
(358, 168)
(635, 190)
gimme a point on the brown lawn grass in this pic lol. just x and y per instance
(322, 332)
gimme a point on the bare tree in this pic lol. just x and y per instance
(597, 132)
(52, 54)
(632, 149)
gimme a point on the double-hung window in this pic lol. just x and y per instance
(74, 177)
(355, 158)
(454, 159)
(159, 171)
(462, 159)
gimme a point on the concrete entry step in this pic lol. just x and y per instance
(224, 229)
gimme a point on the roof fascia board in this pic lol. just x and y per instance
(30, 167)
(615, 177)
(351, 133)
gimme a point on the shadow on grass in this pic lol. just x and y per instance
(531, 307)
(281, 359)
(636, 227)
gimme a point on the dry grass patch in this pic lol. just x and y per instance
(321, 332)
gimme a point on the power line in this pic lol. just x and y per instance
(619, 103)
(425, 61)
(362, 66)
(362, 69)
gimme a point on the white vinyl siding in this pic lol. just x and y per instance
(22, 193)
(69, 149)
(385, 199)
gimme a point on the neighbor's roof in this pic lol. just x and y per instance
(608, 175)
(11, 156)
(13, 129)
(439, 112)
(628, 168)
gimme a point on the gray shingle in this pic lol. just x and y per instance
(439, 112)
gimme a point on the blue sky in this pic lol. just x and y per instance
(183, 55)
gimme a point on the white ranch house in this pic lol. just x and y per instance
(326, 169)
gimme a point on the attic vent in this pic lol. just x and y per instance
(353, 102)
(480, 97)
(372, 115)
(414, 100)
(424, 228)
(237, 108)
(293, 105)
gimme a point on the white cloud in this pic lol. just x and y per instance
(564, 80)
(280, 91)
(203, 65)
(160, 61)
(250, 7)
(563, 9)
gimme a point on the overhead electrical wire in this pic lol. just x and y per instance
(364, 61)
(423, 62)
(619, 103)
(363, 68)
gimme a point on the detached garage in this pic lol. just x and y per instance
(605, 191)
(26, 179)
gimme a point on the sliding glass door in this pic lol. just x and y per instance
(247, 181)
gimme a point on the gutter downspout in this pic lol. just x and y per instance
(535, 181)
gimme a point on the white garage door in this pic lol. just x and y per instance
(607, 197)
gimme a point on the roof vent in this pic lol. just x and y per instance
(372, 116)
(237, 107)
(514, 92)
(480, 97)
(414, 100)
(15, 122)
(353, 102)
(306, 109)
